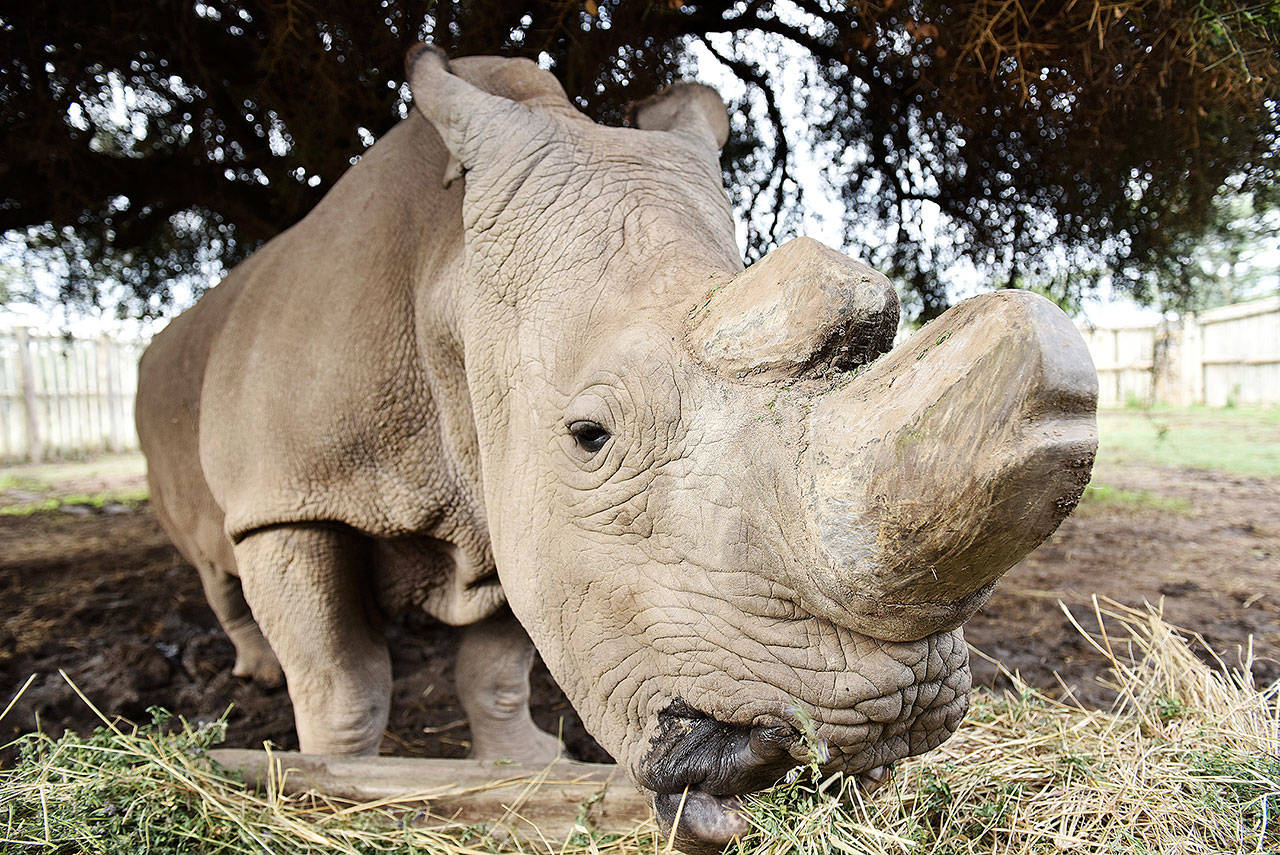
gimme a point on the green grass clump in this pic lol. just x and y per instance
(120, 792)
(1239, 441)
(1103, 496)
(110, 479)
(131, 498)
(154, 790)
(10, 481)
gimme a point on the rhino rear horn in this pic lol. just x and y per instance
(802, 310)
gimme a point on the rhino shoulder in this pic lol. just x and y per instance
(316, 403)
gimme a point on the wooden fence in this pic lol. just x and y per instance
(1228, 355)
(62, 396)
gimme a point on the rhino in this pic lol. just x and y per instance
(511, 371)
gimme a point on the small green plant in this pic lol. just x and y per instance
(935, 791)
(1116, 498)
(1243, 786)
(816, 748)
(1134, 401)
(1076, 767)
(940, 340)
(1170, 707)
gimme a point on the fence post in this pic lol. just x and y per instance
(108, 360)
(1167, 383)
(27, 375)
(1192, 360)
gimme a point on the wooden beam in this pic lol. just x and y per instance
(530, 802)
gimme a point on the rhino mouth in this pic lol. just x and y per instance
(698, 766)
(695, 751)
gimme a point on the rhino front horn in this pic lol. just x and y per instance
(802, 310)
(940, 467)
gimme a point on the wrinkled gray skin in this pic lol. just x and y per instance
(384, 409)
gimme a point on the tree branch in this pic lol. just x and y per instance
(752, 75)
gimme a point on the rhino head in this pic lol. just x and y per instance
(718, 502)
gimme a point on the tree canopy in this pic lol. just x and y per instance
(1045, 143)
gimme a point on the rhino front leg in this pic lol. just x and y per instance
(494, 658)
(254, 657)
(307, 586)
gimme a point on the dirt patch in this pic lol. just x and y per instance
(1204, 544)
(105, 597)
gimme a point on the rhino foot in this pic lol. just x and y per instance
(529, 745)
(492, 673)
(255, 660)
(260, 666)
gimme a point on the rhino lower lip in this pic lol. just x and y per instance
(873, 779)
(707, 823)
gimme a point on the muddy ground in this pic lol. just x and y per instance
(102, 595)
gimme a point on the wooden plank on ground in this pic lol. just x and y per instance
(531, 802)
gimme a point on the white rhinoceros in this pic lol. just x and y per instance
(551, 391)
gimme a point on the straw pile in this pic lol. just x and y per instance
(1188, 761)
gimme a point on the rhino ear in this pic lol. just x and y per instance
(467, 118)
(684, 106)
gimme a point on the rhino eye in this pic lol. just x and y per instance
(589, 436)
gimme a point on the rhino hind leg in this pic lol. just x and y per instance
(494, 658)
(308, 587)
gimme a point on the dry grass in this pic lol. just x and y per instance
(1188, 761)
